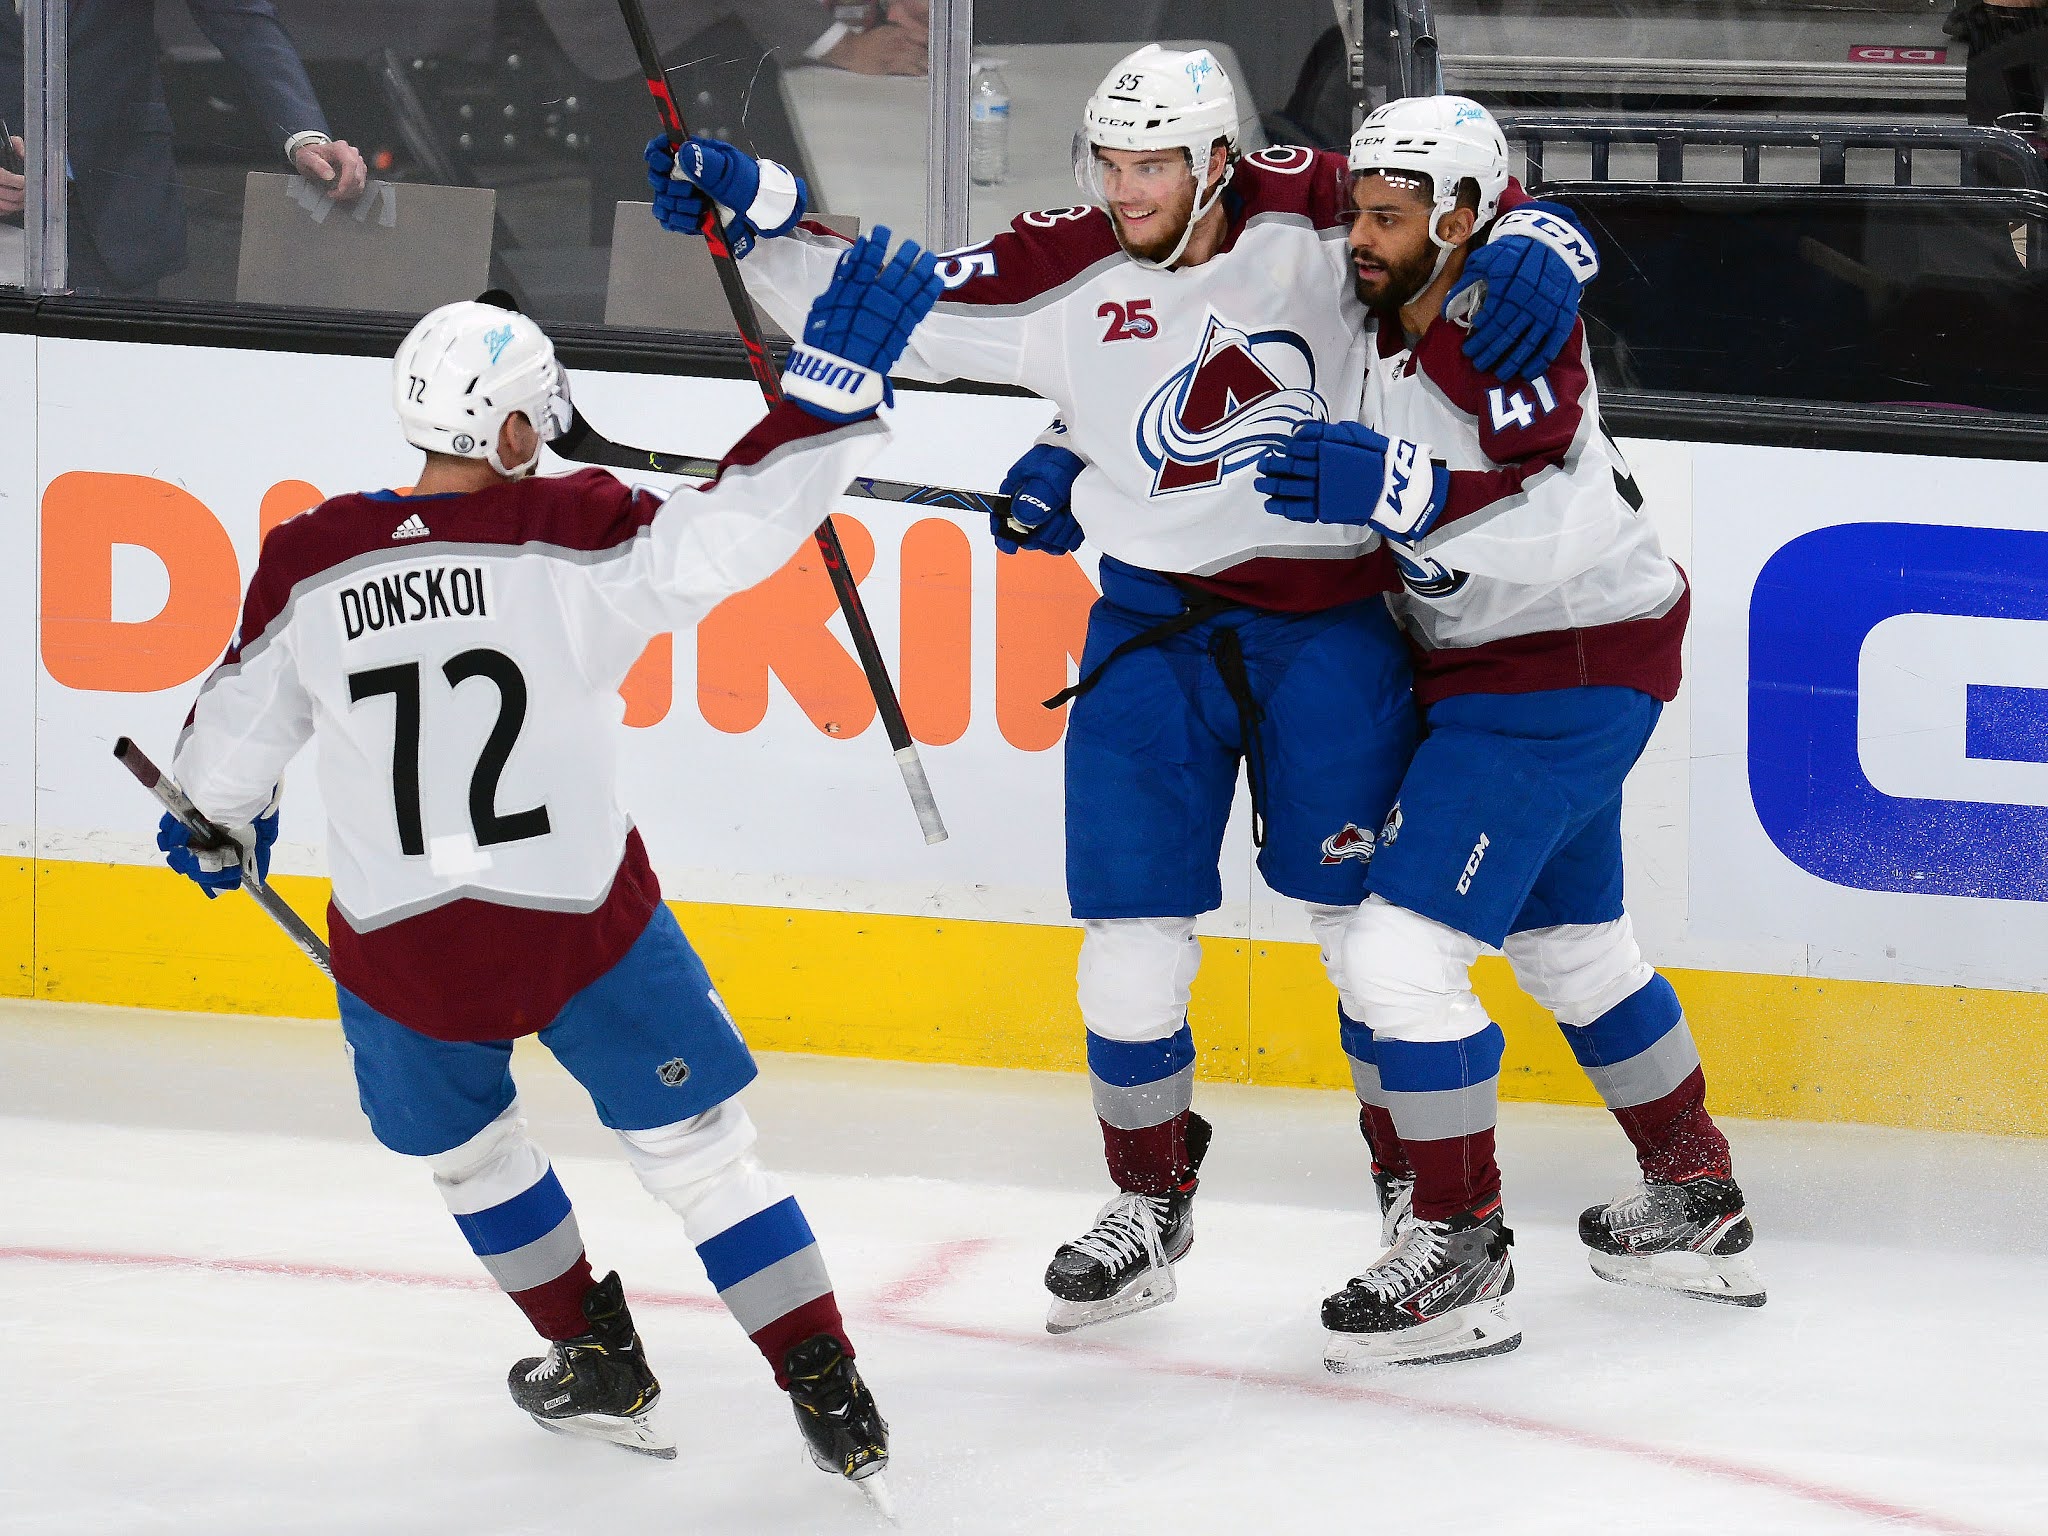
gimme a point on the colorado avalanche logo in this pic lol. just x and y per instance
(1240, 395)
(1426, 577)
(1354, 842)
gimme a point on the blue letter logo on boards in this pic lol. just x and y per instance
(1815, 601)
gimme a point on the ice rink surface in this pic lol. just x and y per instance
(227, 1310)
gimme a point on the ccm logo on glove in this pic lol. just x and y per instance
(1559, 235)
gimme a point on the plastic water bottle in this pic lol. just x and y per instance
(988, 125)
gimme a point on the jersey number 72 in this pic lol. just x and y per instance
(402, 682)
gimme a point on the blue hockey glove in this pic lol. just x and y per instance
(219, 869)
(859, 326)
(1520, 291)
(758, 198)
(1342, 472)
(1040, 487)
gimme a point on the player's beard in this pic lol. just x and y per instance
(1403, 280)
(1157, 247)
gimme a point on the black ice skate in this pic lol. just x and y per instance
(1397, 1204)
(597, 1384)
(1440, 1293)
(1124, 1263)
(1692, 1238)
(844, 1430)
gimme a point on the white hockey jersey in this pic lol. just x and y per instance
(1542, 571)
(458, 659)
(1172, 384)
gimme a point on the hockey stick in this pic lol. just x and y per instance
(584, 444)
(210, 837)
(763, 369)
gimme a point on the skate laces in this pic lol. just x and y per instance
(1400, 1209)
(1125, 1228)
(549, 1365)
(1646, 1205)
(1418, 1250)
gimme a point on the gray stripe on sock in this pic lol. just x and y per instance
(1446, 1113)
(781, 1288)
(1648, 1074)
(1146, 1104)
(1365, 1078)
(542, 1260)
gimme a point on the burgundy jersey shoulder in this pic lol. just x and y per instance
(1311, 183)
(585, 511)
(1040, 253)
(1518, 419)
(1515, 196)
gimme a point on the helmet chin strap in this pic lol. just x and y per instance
(1444, 248)
(515, 471)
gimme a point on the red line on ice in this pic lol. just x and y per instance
(301, 1271)
(939, 1265)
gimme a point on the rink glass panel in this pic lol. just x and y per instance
(503, 140)
(540, 107)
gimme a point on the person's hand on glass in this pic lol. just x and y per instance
(13, 187)
(335, 167)
(897, 47)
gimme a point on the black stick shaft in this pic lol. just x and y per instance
(584, 444)
(213, 837)
(865, 646)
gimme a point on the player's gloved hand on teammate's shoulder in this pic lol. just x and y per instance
(1040, 486)
(1344, 472)
(758, 199)
(1520, 291)
(215, 870)
(859, 326)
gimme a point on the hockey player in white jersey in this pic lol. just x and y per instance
(1546, 623)
(1184, 322)
(456, 653)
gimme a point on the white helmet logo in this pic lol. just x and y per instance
(465, 370)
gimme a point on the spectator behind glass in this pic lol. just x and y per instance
(127, 221)
(2008, 42)
(722, 57)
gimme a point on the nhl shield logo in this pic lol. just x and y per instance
(673, 1073)
(1354, 842)
(1241, 394)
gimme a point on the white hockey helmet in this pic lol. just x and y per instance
(466, 368)
(1158, 98)
(1447, 139)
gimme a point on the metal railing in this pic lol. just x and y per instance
(1402, 29)
(1422, 60)
(2021, 211)
(1981, 149)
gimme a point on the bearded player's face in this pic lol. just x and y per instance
(1151, 196)
(1391, 252)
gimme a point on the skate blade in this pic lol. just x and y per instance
(633, 1434)
(875, 1489)
(1154, 1288)
(1732, 1281)
(1466, 1333)
(867, 1478)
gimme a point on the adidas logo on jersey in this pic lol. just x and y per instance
(411, 528)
